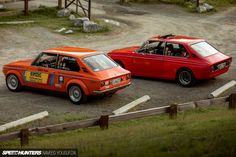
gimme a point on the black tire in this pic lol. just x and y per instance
(120, 64)
(13, 83)
(185, 78)
(76, 94)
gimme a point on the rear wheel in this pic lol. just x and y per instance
(76, 94)
(13, 83)
(186, 78)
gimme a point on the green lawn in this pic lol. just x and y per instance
(47, 17)
(202, 132)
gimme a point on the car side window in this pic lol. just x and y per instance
(152, 47)
(177, 50)
(67, 63)
(46, 60)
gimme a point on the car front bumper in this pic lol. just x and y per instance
(107, 91)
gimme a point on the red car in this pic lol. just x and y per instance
(172, 57)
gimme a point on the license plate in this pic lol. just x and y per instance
(116, 81)
(221, 66)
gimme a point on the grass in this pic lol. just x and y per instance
(202, 132)
(218, 4)
(46, 17)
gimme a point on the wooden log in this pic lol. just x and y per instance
(173, 111)
(127, 107)
(103, 121)
(186, 106)
(16, 22)
(139, 114)
(232, 101)
(23, 120)
(24, 137)
(10, 136)
(64, 126)
(222, 89)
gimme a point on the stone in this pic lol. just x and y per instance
(208, 7)
(72, 17)
(63, 13)
(69, 32)
(201, 9)
(2, 7)
(78, 22)
(90, 27)
(60, 30)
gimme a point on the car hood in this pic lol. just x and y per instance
(112, 73)
(125, 50)
(216, 58)
(20, 63)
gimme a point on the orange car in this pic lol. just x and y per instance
(79, 72)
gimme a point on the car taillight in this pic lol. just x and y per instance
(213, 68)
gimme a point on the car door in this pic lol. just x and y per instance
(41, 73)
(176, 56)
(67, 69)
(149, 61)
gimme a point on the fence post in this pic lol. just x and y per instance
(232, 101)
(89, 9)
(26, 7)
(103, 121)
(59, 4)
(173, 111)
(24, 137)
(197, 1)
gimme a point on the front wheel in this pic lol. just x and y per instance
(76, 95)
(185, 78)
(13, 83)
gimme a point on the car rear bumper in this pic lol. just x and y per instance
(107, 91)
(209, 75)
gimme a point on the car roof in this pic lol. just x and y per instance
(176, 38)
(73, 51)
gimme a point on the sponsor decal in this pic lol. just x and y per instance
(37, 77)
(51, 81)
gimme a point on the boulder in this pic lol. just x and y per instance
(90, 27)
(78, 22)
(63, 13)
(69, 32)
(201, 9)
(2, 7)
(72, 17)
(208, 7)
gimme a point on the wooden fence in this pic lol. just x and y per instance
(104, 120)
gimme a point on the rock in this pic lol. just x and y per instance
(60, 30)
(208, 7)
(69, 32)
(116, 23)
(63, 13)
(90, 27)
(72, 17)
(2, 7)
(80, 21)
(201, 9)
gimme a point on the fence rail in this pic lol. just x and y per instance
(105, 119)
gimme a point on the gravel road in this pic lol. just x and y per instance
(138, 22)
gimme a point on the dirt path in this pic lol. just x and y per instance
(138, 24)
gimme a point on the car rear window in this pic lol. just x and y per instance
(204, 49)
(99, 62)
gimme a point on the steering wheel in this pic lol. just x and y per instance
(46, 63)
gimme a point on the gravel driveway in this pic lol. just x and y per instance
(138, 22)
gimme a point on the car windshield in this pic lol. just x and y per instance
(204, 49)
(99, 62)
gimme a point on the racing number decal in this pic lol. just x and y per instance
(36, 77)
(60, 79)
